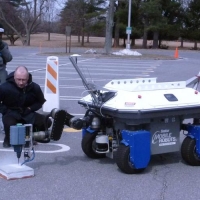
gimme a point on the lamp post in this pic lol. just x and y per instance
(129, 28)
(109, 27)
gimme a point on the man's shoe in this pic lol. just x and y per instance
(35, 142)
(6, 145)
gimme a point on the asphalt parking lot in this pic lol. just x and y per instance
(62, 171)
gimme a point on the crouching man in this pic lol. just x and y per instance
(20, 98)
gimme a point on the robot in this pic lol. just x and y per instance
(130, 120)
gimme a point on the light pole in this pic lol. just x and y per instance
(129, 28)
(109, 27)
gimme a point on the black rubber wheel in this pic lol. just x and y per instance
(123, 160)
(188, 152)
(87, 145)
(58, 125)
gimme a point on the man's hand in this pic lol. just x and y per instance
(27, 111)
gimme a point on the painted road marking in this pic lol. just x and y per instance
(63, 148)
(71, 130)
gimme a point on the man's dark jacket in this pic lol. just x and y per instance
(14, 100)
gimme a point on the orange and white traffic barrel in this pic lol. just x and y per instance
(51, 89)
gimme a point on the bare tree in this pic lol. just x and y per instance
(50, 15)
(26, 13)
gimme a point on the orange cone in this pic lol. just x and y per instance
(176, 53)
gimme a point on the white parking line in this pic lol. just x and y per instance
(63, 148)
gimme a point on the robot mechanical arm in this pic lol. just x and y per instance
(22, 137)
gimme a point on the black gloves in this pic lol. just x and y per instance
(27, 111)
(4, 110)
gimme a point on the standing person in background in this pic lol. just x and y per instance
(5, 56)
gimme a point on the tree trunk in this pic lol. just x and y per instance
(159, 43)
(144, 42)
(181, 42)
(49, 27)
(82, 37)
(28, 39)
(133, 42)
(79, 38)
(116, 39)
(24, 40)
(88, 38)
(12, 39)
(145, 34)
(124, 44)
(155, 39)
(49, 36)
(195, 45)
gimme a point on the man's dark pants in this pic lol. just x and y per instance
(38, 125)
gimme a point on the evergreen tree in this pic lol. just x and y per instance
(83, 16)
(174, 15)
(192, 22)
(162, 18)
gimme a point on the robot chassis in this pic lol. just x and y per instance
(130, 121)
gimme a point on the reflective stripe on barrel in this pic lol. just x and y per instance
(52, 77)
